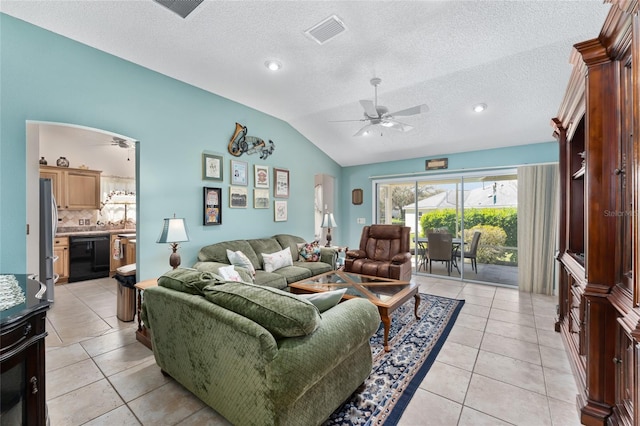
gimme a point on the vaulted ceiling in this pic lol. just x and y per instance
(512, 56)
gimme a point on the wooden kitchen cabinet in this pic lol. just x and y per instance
(61, 266)
(114, 262)
(127, 251)
(74, 189)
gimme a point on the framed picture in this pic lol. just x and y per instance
(280, 183)
(237, 197)
(239, 172)
(211, 167)
(260, 198)
(280, 210)
(212, 206)
(261, 176)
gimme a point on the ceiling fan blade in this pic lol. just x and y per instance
(365, 130)
(418, 109)
(369, 108)
(396, 125)
(347, 121)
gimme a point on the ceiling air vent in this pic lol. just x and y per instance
(326, 30)
(181, 7)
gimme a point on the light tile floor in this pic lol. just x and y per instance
(502, 364)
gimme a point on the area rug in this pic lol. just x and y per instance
(396, 375)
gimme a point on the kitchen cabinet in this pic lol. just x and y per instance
(61, 266)
(127, 250)
(74, 189)
(599, 290)
(115, 261)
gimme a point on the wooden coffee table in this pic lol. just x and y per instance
(385, 293)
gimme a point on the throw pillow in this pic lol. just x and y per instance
(229, 273)
(238, 258)
(325, 300)
(310, 252)
(188, 280)
(277, 260)
(283, 314)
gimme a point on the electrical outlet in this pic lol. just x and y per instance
(80, 222)
(361, 221)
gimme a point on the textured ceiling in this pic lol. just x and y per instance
(450, 55)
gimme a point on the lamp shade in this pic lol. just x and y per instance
(173, 231)
(328, 221)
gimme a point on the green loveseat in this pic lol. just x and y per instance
(259, 355)
(214, 256)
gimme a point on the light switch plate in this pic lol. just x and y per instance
(361, 220)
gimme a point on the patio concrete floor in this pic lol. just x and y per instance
(494, 274)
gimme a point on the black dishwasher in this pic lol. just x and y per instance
(88, 257)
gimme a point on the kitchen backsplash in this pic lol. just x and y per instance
(88, 218)
(77, 217)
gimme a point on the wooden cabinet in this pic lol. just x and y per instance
(114, 263)
(22, 359)
(74, 189)
(598, 309)
(61, 266)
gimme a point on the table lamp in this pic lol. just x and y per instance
(328, 222)
(173, 232)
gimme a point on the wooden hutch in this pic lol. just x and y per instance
(599, 293)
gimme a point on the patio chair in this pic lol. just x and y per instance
(472, 252)
(422, 254)
(440, 249)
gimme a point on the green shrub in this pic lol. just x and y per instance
(441, 218)
(491, 244)
(505, 218)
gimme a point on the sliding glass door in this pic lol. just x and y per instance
(476, 213)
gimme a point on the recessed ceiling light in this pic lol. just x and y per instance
(273, 65)
(480, 107)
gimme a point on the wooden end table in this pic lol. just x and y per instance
(143, 335)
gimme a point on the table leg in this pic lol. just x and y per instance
(139, 308)
(417, 299)
(386, 320)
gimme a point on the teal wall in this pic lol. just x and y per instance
(46, 77)
(360, 177)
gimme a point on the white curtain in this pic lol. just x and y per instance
(537, 227)
(118, 199)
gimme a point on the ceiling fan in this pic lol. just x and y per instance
(379, 115)
(122, 143)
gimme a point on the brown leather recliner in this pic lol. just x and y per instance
(384, 252)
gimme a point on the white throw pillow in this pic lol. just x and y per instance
(238, 258)
(325, 300)
(229, 273)
(277, 260)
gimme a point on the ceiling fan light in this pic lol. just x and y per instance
(273, 65)
(386, 124)
(479, 107)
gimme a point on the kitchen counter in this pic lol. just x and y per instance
(68, 233)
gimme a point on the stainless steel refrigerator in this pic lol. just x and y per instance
(48, 227)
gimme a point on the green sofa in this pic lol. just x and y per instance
(259, 355)
(214, 256)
